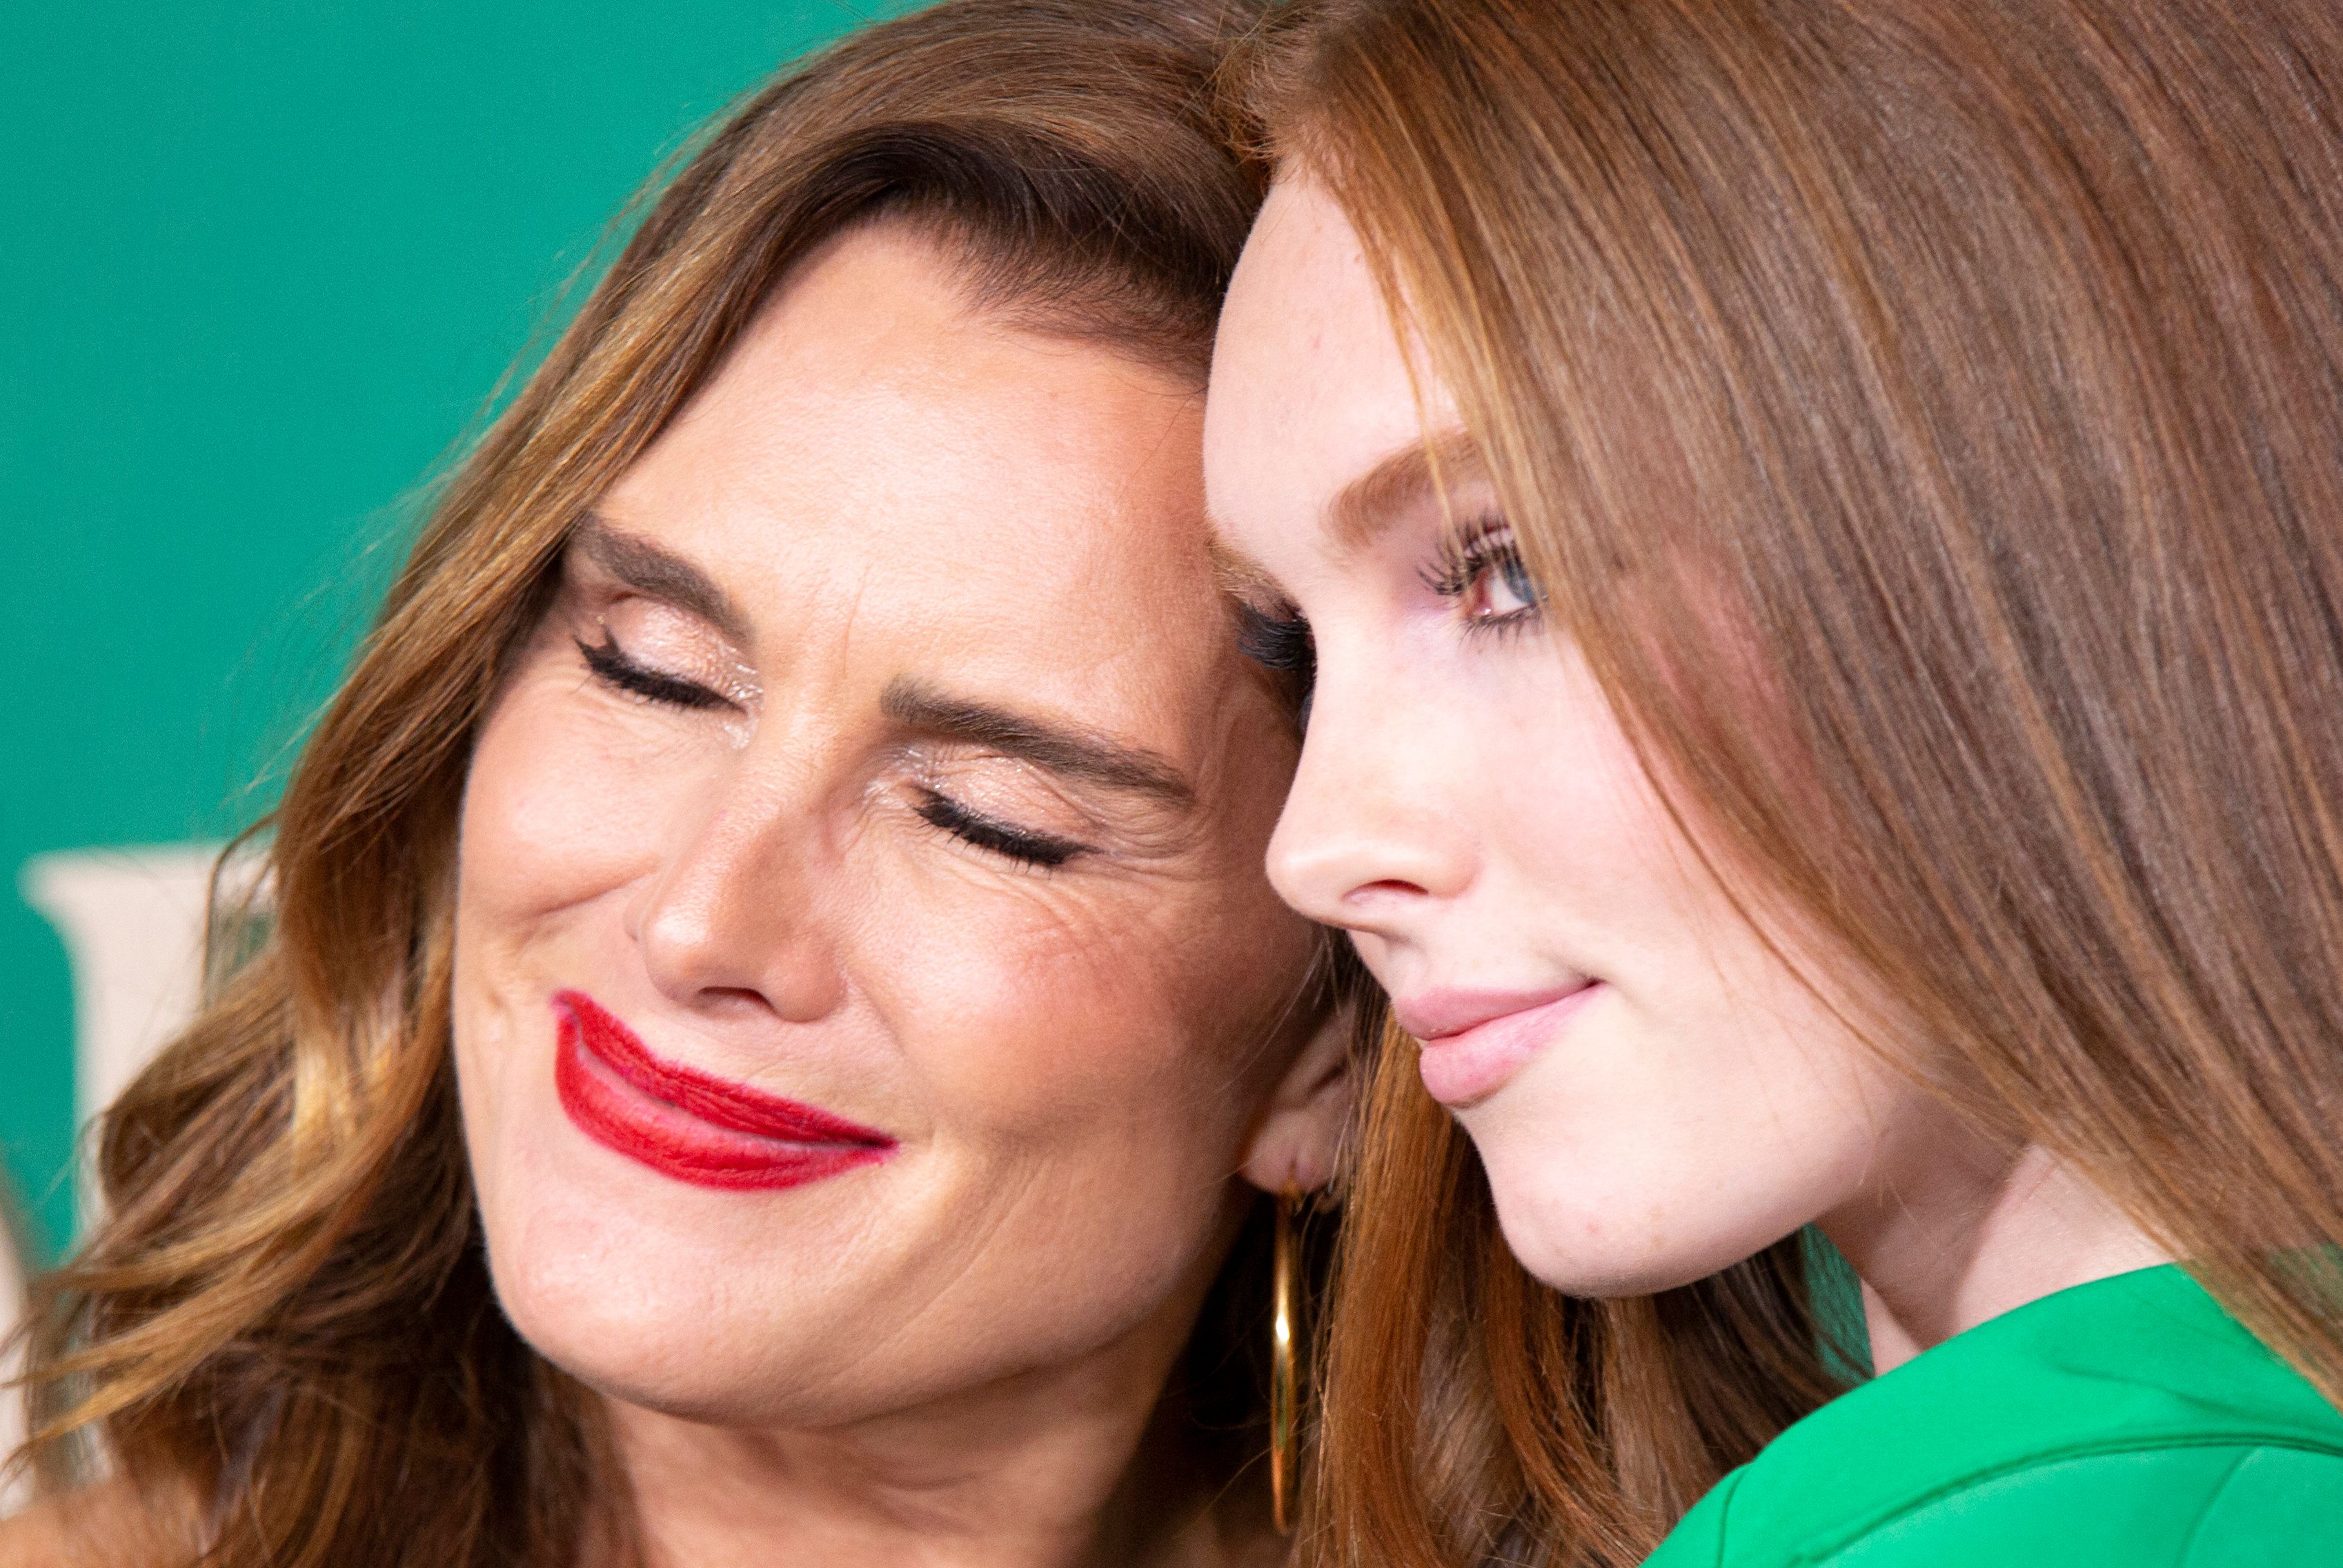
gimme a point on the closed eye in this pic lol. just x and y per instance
(1283, 645)
(614, 667)
(1043, 850)
(1274, 642)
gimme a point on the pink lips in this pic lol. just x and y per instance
(691, 1125)
(1475, 1042)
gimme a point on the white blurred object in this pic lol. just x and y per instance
(11, 1408)
(133, 920)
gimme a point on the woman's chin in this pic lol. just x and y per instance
(656, 1338)
(639, 1302)
(1585, 1247)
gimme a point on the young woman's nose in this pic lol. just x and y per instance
(735, 912)
(1370, 838)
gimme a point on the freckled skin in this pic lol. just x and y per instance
(1075, 1061)
(1469, 808)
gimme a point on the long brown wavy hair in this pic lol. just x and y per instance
(283, 1337)
(1958, 389)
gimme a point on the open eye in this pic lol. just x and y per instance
(1480, 568)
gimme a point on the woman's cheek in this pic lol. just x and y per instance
(561, 804)
(1019, 1005)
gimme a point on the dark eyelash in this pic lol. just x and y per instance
(1464, 553)
(610, 664)
(1032, 849)
(1284, 645)
(1275, 643)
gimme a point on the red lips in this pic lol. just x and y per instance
(688, 1124)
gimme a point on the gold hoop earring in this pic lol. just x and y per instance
(1284, 1435)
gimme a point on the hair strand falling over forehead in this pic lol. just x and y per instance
(1965, 384)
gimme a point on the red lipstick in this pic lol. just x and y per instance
(689, 1124)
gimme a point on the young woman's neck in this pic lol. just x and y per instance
(1963, 1232)
(1058, 1469)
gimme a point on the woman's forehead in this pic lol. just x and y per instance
(880, 470)
(870, 419)
(1313, 389)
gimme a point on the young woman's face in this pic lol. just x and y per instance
(1654, 1094)
(866, 986)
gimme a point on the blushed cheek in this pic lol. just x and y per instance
(1066, 1027)
(1588, 856)
(548, 827)
(1030, 1025)
(551, 818)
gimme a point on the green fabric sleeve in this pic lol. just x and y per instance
(2215, 1506)
(2280, 1504)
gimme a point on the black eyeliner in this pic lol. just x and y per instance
(1274, 642)
(1033, 848)
(610, 663)
(1282, 645)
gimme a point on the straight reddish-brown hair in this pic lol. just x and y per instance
(1959, 387)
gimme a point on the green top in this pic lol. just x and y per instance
(2129, 1423)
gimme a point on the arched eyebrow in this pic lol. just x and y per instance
(1073, 752)
(1241, 577)
(1079, 754)
(1399, 482)
(1361, 509)
(656, 571)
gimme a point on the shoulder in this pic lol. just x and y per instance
(2129, 1421)
(34, 1537)
(107, 1525)
(2209, 1506)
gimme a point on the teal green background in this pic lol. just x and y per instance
(261, 267)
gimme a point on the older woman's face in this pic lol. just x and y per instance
(866, 984)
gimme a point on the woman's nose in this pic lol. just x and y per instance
(735, 910)
(1369, 839)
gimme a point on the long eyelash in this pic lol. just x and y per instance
(1285, 646)
(1033, 848)
(1465, 553)
(1275, 643)
(610, 664)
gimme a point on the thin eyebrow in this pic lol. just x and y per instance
(1239, 576)
(1074, 753)
(1370, 503)
(659, 572)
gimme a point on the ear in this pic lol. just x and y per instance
(1303, 1125)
